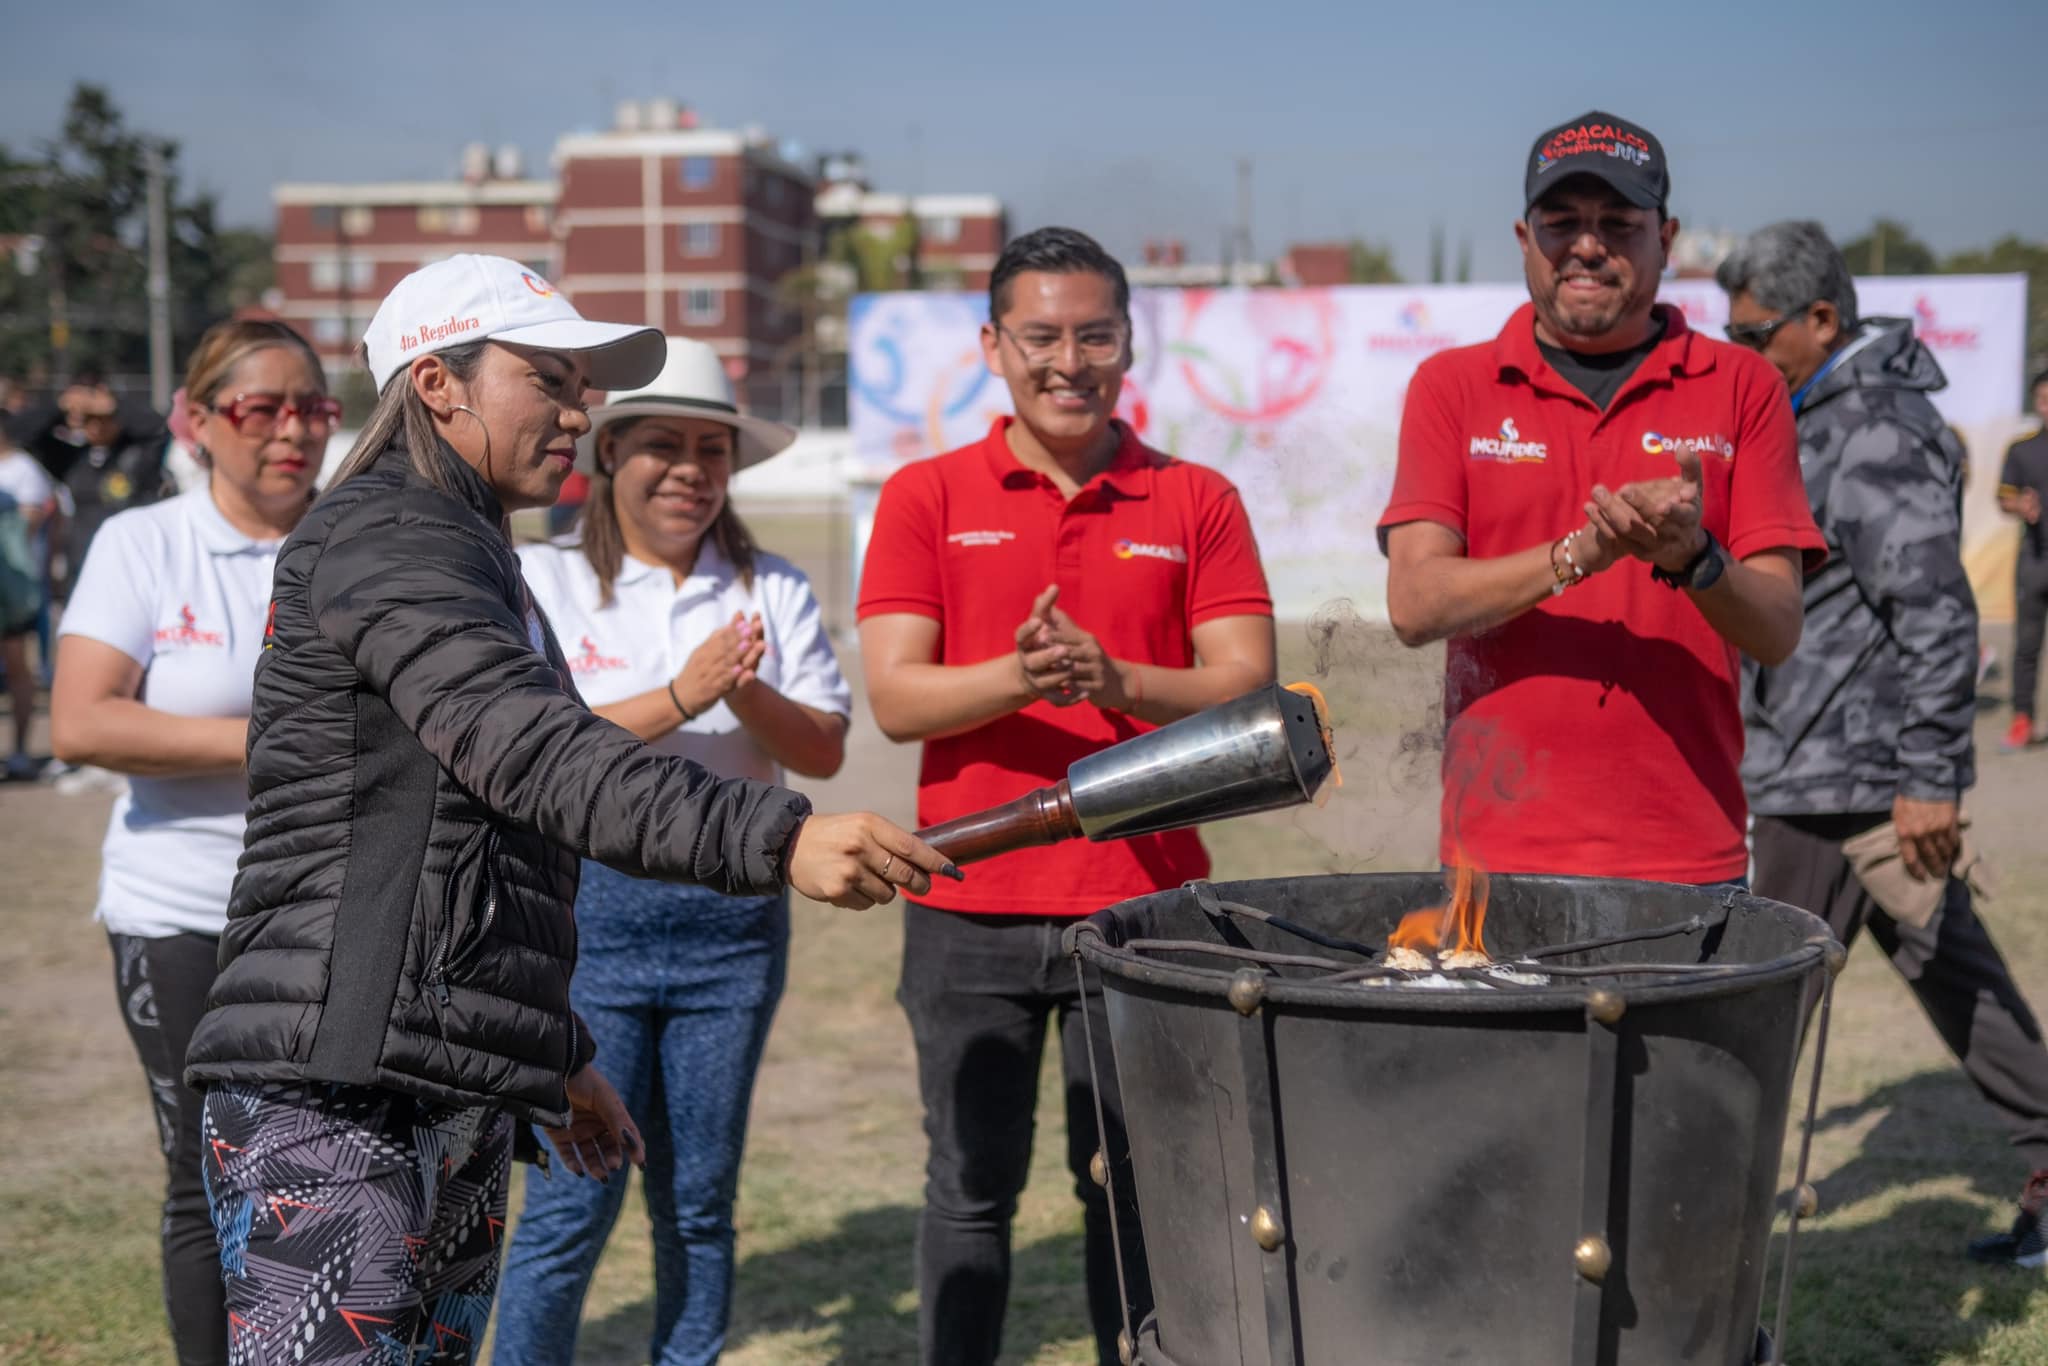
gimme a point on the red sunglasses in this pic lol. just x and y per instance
(262, 414)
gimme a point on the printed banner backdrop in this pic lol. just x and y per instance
(1296, 395)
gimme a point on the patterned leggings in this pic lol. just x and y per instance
(355, 1224)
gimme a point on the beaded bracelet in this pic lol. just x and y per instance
(1570, 574)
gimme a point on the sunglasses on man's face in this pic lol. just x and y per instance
(1756, 336)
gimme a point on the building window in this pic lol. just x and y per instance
(330, 331)
(456, 218)
(326, 272)
(700, 239)
(697, 173)
(538, 216)
(703, 307)
(325, 217)
(358, 221)
(946, 229)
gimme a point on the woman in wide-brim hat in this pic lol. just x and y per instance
(682, 630)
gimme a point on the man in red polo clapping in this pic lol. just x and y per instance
(1598, 509)
(1041, 594)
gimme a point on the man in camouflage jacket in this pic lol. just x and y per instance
(1859, 746)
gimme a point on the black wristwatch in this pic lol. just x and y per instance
(1701, 572)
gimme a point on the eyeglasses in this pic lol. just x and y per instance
(260, 415)
(1097, 343)
(1756, 336)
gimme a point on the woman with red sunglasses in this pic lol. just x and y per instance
(155, 663)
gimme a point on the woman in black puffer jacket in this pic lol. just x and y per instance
(394, 985)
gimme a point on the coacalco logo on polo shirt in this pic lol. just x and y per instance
(188, 631)
(1140, 550)
(1508, 447)
(1656, 443)
(592, 660)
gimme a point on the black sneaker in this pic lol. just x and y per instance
(2026, 1243)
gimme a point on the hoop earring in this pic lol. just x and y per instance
(465, 408)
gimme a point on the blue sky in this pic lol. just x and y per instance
(1123, 119)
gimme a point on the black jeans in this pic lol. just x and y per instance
(980, 991)
(1953, 967)
(162, 985)
(2029, 623)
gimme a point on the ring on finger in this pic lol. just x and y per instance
(886, 863)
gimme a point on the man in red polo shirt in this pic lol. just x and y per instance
(1598, 509)
(1027, 600)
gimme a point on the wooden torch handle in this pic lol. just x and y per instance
(1042, 817)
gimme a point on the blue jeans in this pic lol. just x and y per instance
(677, 986)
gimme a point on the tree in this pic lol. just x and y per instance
(2012, 255)
(1370, 264)
(79, 298)
(884, 258)
(1889, 248)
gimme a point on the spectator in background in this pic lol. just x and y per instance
(2022, 485)
(106, 456)
(28, 507)
(159, 647)
(1860, 744)
(711, 649)
(1029, 599)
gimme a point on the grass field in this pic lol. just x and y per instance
(1908, 1161)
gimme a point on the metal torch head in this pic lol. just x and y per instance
(1265, 750)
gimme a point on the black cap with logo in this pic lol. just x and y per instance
(1626, 156)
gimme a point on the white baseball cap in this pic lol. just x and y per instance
(468, 298)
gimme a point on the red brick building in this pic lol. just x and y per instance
(340, 248)
(657, 220)
(687, 229)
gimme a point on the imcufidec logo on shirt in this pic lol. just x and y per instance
(1508, 447)
(592, 660)
(1656, 443)
(1139, 550)
(188, 632)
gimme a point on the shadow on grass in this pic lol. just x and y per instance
(855, 1286)
(1933, 1124)
(1877, 1278)
(1898, 1290)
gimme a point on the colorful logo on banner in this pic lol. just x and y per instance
(1254, 357)
(923, 401)
(1412, 333)
(1927, 327)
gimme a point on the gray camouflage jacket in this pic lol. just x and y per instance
(1878, 699)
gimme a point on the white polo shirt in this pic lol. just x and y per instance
(177, 589)
(645, 637)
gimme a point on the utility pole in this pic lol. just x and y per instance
(159, 281)
(813, 353)
(1244, 213)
